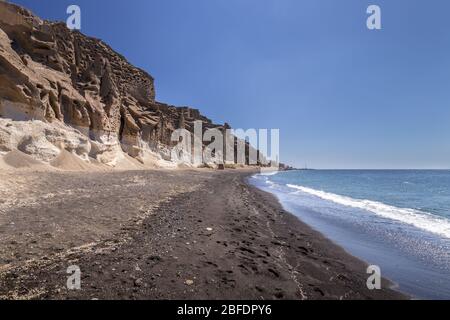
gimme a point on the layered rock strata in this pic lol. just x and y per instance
(66, 91)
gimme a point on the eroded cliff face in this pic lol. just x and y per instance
(52, 75)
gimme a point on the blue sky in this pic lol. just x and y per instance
(341, 95)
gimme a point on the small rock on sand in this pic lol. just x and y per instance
(138, 282)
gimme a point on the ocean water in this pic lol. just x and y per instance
(396, 219)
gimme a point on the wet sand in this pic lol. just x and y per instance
(187, 234)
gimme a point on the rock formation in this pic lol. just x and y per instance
(66, 91)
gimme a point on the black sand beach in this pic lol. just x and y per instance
(186, 234)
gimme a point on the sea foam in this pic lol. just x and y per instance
(419, 219)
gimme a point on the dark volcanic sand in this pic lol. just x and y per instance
(164, 235)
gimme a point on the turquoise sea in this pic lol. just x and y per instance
(396, 219)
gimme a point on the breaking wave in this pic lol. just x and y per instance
(419, 219)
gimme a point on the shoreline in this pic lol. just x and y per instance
(386, 219)
(187, 234)
(329, 245)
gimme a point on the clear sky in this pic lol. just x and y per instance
(342, 96)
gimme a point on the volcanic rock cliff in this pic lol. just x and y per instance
(61, 90)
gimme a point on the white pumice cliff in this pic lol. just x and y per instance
(63, 91)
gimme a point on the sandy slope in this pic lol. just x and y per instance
(67, 161)
(18, 160)
(71, 162)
